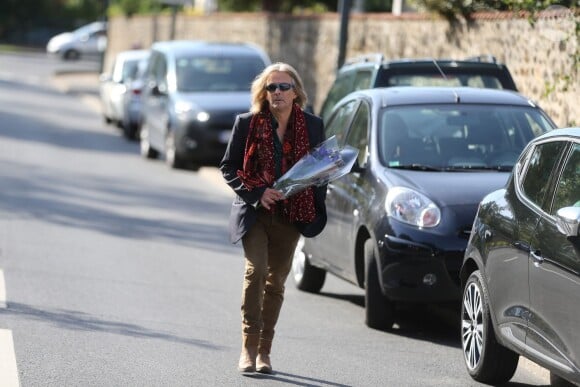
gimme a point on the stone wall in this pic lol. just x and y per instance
(540, 57)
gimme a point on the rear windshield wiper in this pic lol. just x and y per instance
(415, 167)
(499, 168)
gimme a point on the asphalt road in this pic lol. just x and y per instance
(117, 271)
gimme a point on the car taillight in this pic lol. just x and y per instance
(136, 91)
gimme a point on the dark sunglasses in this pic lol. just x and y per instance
(282, 86)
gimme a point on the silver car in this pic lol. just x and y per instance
(115, 89)
(86, 41)
(193, 92)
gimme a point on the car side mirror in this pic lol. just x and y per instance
(567, 220)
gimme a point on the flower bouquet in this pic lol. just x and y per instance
(322, 164)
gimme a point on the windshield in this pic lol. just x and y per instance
(454, 137)
(452, 80)
(217, 73)
(89, 29)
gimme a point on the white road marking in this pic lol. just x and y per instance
(2, 290)
(8, 369)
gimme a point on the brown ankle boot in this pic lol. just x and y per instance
(247, 363)
(263, 364)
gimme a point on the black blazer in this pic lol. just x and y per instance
(243, 213)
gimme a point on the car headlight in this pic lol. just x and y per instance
(185, 110)
(412, 207)
(182, 107)
(202, 116)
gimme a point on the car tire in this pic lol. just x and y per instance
(146, 149)
(486, 360)
(306, 277)
(379, 310)
(172, 159)
(130, 130)
(71, 55)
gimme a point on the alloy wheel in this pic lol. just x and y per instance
(472, 329)
(298, 262)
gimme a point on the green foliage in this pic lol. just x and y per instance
(132, 7)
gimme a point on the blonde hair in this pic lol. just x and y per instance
(259, 100)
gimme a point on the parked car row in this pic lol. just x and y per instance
(463, 191)
(435, 138)
(183, 102)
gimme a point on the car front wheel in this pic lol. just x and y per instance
(307, 277)
(380, 311)
(486, 360)
(147, 150)
(172, 159)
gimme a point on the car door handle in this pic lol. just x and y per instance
(537, 257)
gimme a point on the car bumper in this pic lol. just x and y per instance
(416, 272)
(203, 145)
(134, 113)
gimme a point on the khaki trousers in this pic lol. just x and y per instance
(268, 248)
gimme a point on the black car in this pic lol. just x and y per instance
(371, 71)
(398, 224)
(193, 92)
(521, 271)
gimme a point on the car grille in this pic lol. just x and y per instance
(222, 120)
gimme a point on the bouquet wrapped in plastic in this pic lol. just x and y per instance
(324, 163)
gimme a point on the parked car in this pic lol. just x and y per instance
(398, 224)
(194, 90)
(133, 102)
(371, 71)
(87, 41)
(521, 271)
(116, 85)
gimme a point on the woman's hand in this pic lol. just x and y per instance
(270, 197)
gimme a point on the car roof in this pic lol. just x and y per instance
(377, 60)
(132, 54)
(561, 132)
(416, 95)
(178, 47)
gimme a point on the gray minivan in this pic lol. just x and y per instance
(193, 92)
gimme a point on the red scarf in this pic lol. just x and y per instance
(259, 164)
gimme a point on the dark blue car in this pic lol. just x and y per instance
(399, 223)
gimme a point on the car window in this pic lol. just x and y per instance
(157, 71)
(125, 70)
(200, 74)
(568, 188)
(338, 123)
(457, 136)
(341, 87)
(357, 136)
(535, 182)
(362, 80)
(474, 80)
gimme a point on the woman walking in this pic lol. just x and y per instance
(264, 144)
